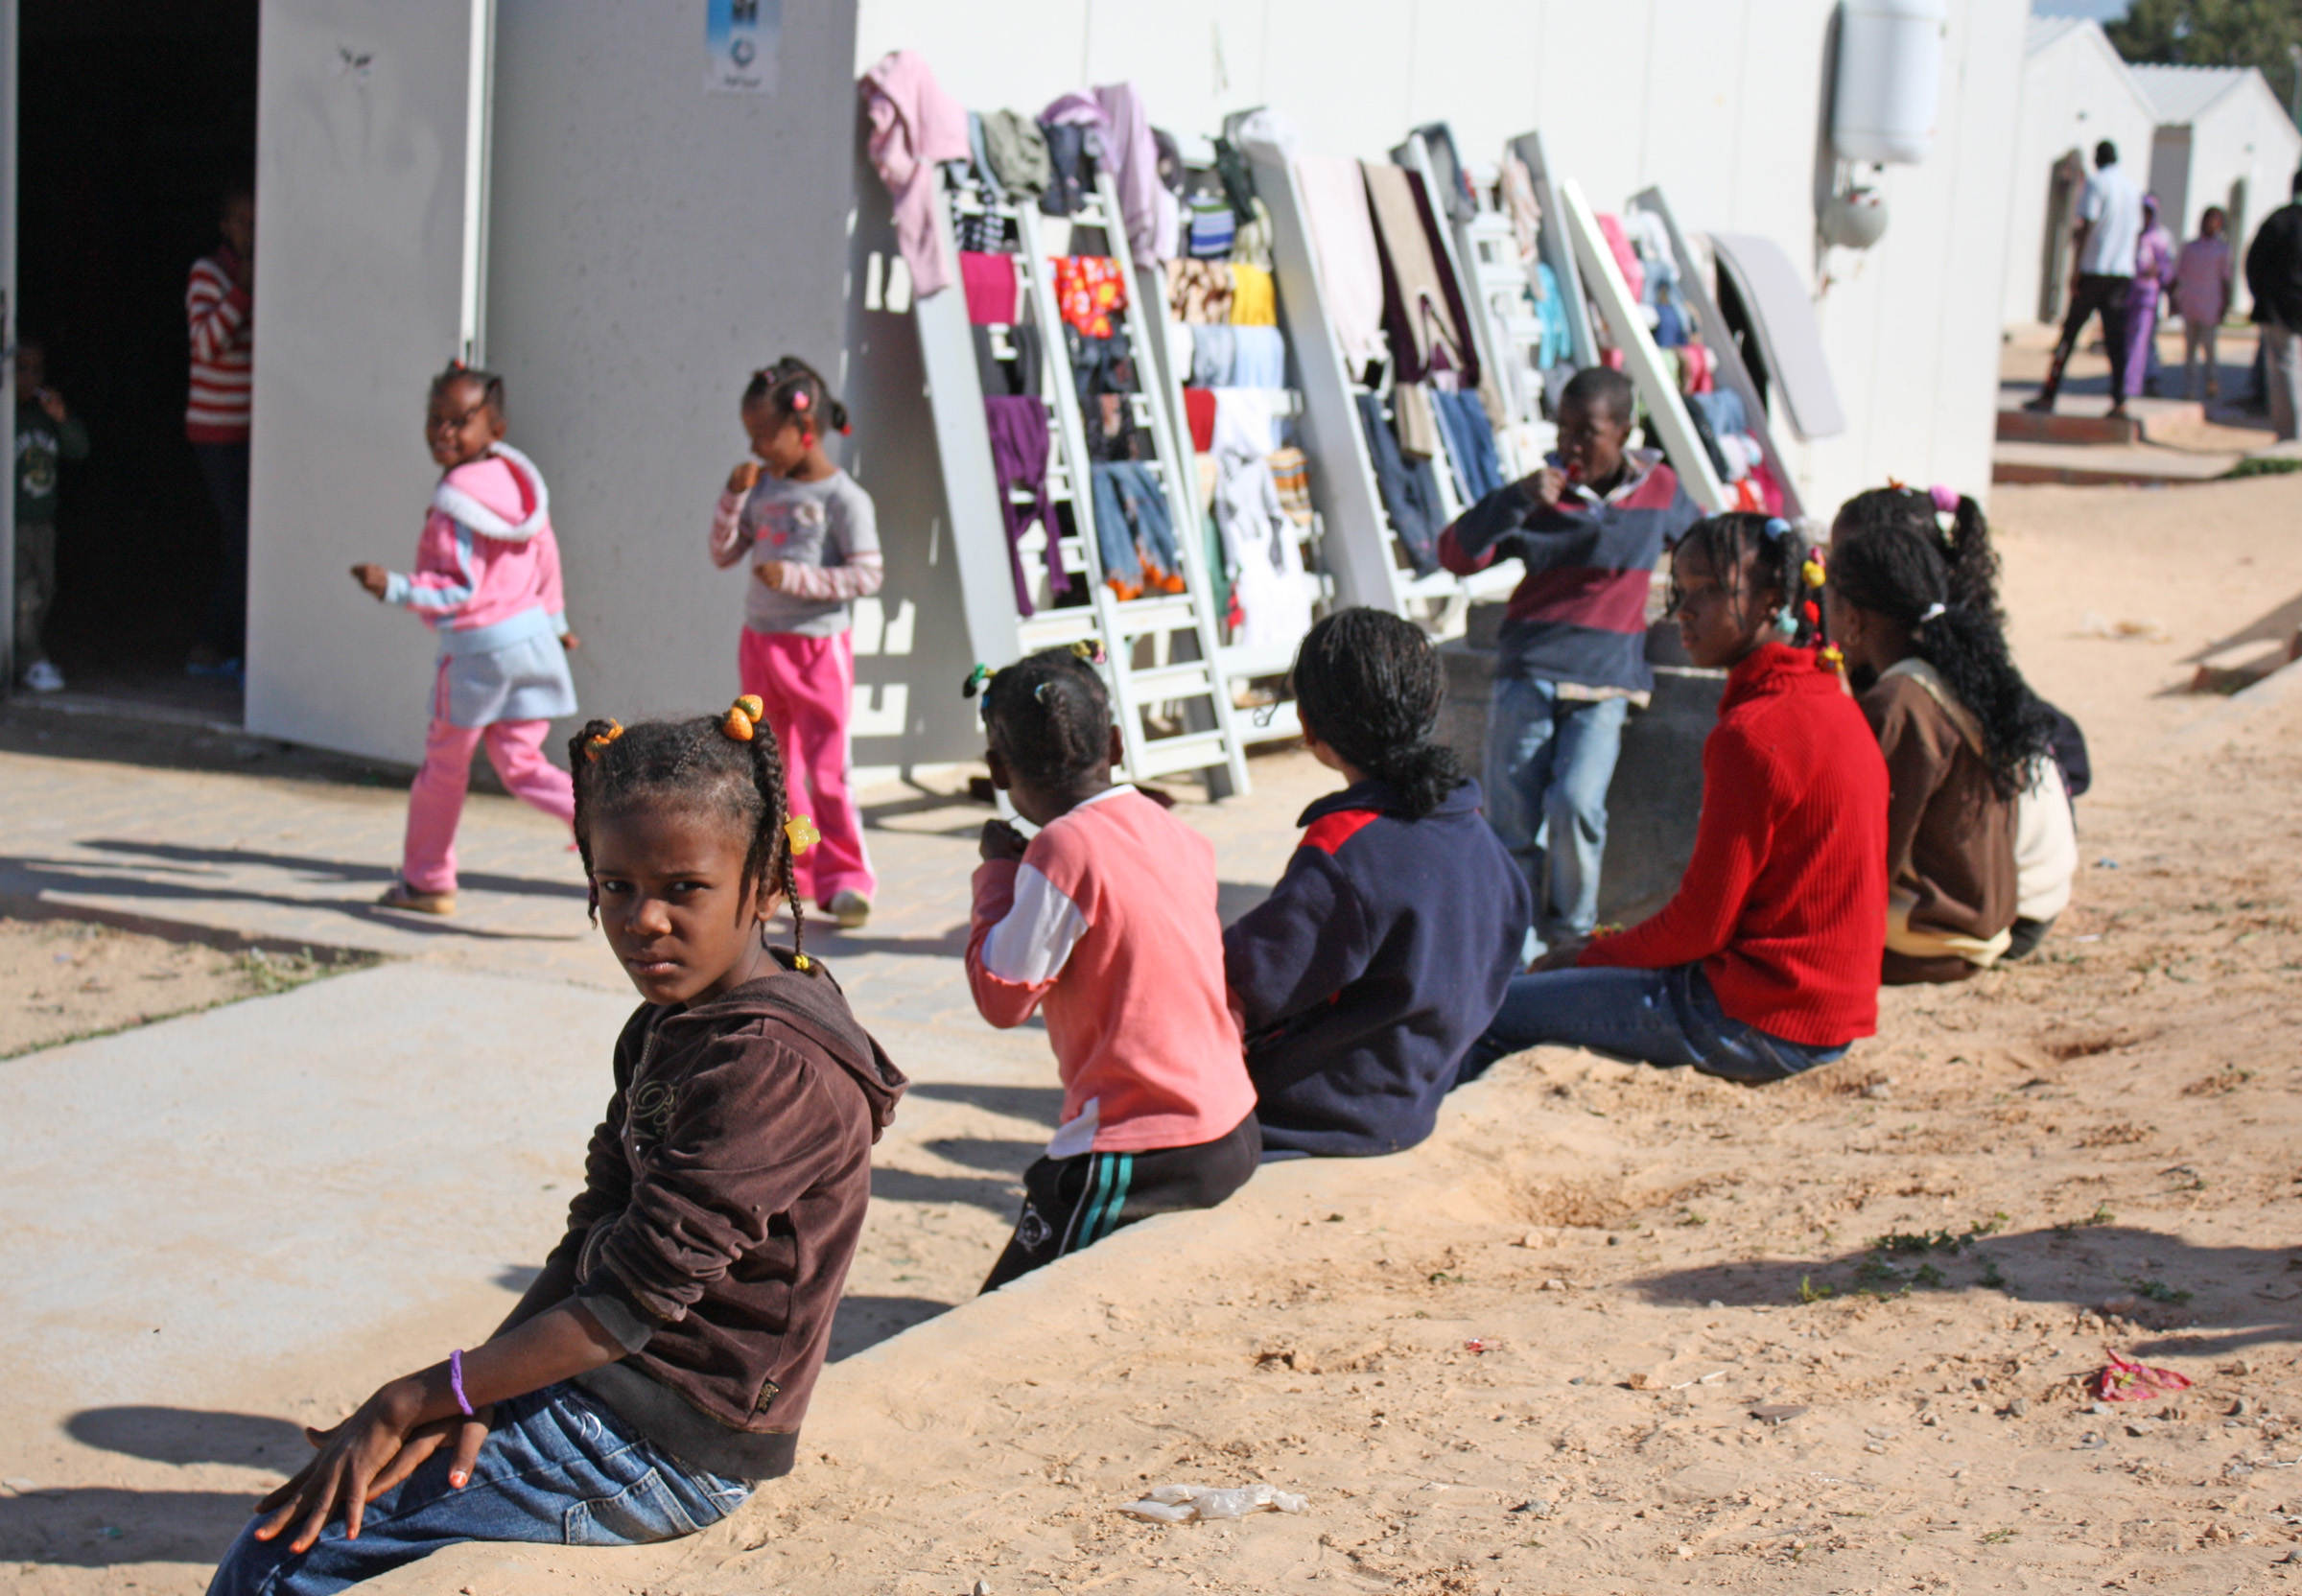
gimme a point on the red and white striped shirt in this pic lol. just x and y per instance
(222, 324)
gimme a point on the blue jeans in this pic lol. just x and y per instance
(558, 1468)
(1549, 763)
(1131, 514)
(1666, 1017)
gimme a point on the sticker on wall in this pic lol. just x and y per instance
(741, 39)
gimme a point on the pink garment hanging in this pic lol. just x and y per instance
(1148, 204)
(915, 127)
(1618, 243)
(989, 281)
(1351, 272)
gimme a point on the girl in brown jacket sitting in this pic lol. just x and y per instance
(1910, 603)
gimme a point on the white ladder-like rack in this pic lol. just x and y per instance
(1161, 650)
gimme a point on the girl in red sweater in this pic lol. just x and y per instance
(1765, 964)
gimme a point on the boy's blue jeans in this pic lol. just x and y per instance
(1549, 763)
(1666, 1017)
(558, 1468)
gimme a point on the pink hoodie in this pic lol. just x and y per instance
(487, 556)
(915, 127)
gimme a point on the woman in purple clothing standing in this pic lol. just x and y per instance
(2154, 275)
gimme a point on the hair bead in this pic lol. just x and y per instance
(801, 833)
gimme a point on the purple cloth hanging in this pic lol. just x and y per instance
(1019, 459)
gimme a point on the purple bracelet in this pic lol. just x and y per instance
(456, 1382)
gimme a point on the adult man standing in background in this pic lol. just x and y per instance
(220, 306)
(2274, 276)
(2109, 229)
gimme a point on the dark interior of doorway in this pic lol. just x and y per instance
(135, 115)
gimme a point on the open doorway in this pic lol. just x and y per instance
(2063, 184)
(135, 117)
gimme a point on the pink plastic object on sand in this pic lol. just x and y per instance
(2124, 1380)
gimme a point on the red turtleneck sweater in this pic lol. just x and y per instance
(1785, 899)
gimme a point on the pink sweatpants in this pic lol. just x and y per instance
(435, 802)
(807, 684)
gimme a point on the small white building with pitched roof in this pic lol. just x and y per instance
(2076, 91)
(2222, 139)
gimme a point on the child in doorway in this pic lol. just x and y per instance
(486, 579)
(662, 1362)
(1107, 917)
(1913, 607)
(1588, 526)
(814, 547)
(2202, 277)
(47, 435)
(1765, 962)
(1387, 946)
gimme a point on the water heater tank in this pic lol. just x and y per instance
(1890, 79)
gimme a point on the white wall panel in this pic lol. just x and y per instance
(359, 200)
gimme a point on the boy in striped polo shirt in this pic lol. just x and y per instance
(1589, 527)
(220, 309)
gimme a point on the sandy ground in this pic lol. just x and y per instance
(61, 980)
(1612, 1329)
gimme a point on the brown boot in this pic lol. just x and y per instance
(401, 896)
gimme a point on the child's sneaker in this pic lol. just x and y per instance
(849, 910)
(401, 896)
(44, 677)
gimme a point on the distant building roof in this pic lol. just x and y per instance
(2180, 94)
(2047, 31)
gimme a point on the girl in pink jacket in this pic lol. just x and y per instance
(486, 580)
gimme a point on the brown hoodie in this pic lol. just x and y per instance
(722, 1198)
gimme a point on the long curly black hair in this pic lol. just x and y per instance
(1966, 545)
(1900, 571)
(690, 764)
(1370, 686)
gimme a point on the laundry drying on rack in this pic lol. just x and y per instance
(915, 127)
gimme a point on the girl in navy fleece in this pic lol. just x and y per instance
(1386, 948)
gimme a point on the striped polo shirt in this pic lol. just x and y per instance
(222, 326)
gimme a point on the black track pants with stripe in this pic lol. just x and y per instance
(1076, 1201)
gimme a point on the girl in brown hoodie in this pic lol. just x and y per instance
(1912, 605)
(660, 1363)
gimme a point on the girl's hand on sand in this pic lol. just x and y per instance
(426, 1438)
(374, 577)
(771, 572)
(743, 477)
(1000, 841)
(341, 1480)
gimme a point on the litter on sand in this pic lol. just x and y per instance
(1185, 1504)
(2124, 1380)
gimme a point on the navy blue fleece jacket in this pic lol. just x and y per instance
(1377, 961)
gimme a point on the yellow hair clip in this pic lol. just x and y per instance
(597, 743)
(744, 718)
(800, 831)
(1833, 657)
(1813, 570)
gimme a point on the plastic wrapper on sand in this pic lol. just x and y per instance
(1184, 1504)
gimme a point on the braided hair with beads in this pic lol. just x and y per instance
(1777, 558)
(1049, 714)
(1369, 684)
(727, 764)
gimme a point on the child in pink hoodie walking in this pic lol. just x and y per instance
(486, 579)
(813, 542)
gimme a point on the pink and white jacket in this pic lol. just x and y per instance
(1109, 922)
(487, 567)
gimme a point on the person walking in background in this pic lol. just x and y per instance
(486, 579)
(47, 434)
(2201, 299)
(220, 306)
(812, 539)
(2274, 277)
(2110, 229)
(2154, 275)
